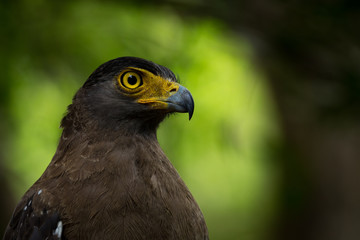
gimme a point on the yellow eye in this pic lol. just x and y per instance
(130, 80)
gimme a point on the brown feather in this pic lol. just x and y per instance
(110, 183)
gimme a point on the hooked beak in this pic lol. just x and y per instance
(181, 101)
(177, 99)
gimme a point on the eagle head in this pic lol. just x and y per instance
(128, 93)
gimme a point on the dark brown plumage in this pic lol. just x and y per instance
(109, 178)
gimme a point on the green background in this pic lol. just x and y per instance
(227, 154)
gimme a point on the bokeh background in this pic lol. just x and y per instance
(273, 149)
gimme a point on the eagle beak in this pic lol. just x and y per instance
(181, 101)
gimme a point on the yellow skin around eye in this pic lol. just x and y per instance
(154, 90)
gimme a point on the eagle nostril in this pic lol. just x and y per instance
(173, 90)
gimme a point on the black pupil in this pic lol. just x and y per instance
(132, 80)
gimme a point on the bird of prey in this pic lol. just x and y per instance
(109, 178)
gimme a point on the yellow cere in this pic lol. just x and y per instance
(146, 87)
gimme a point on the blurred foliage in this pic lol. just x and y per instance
(222, 154)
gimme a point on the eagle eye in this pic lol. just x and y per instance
(130, 80)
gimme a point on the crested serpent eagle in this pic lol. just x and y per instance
(109, 178)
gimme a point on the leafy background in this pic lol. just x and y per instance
(232, 154)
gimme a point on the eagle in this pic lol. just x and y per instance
(109, 177)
